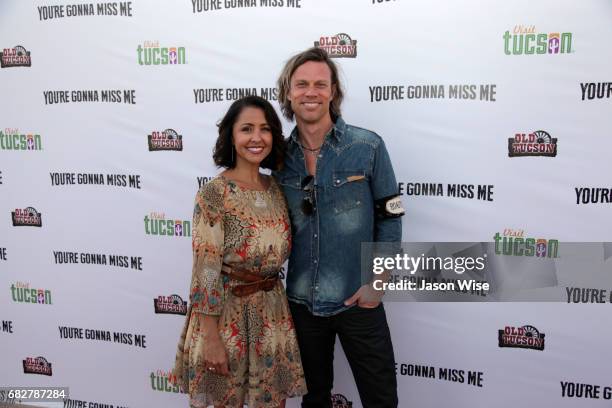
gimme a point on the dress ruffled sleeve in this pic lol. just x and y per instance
(207, 292)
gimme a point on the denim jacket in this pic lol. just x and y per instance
(353, 171)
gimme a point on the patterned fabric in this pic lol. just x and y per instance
(250, 230)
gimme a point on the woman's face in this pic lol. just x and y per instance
(252, 137)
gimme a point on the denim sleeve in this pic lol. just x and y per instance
(384, 184)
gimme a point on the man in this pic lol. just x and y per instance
(341, 191)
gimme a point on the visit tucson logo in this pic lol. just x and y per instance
(167, 139)
(513, 242)
(17, 56)
(151, 53)
(156, 224)
(538, 143)
(11, 139)
(22, 293)
(525, 40)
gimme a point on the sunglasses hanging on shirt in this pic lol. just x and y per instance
(309, 204)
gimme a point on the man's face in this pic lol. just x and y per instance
(311, 92)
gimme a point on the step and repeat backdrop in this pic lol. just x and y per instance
(496, 116)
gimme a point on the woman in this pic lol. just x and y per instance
(238, 345)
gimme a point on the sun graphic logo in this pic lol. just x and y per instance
(527, 337)
(338, 46)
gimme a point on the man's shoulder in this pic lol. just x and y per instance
(361, 135)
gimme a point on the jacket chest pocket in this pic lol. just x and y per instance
(349, 189)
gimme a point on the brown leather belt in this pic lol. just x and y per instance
(254, 283)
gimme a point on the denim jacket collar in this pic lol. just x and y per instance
(337, 131)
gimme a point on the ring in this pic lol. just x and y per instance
(211, 368)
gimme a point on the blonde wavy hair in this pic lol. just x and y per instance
(284, 81)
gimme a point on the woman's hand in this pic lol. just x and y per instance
(215, 356)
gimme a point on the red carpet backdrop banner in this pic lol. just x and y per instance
(495, 113)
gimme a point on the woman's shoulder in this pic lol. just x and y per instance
(213, 191)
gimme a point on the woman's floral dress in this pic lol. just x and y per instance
(250, 230)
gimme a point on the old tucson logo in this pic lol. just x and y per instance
(521, 337)
(338, 46)
(27, 217)
(340, 401)
(37, 365)
(15, 57)
(168, 139)
(172, 304)
(538, 143)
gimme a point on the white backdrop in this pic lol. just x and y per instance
(447, 140)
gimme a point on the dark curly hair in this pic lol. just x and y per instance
(224, 153)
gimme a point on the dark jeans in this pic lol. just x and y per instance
(366, 341)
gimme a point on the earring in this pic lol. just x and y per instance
(232, 155)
